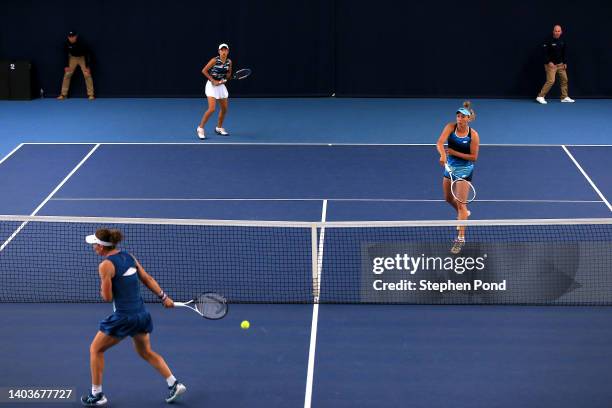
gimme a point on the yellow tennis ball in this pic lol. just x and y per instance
(245, 324)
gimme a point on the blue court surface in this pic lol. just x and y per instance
(324, 355)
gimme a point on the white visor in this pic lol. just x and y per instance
(223, 45)
(92, 239)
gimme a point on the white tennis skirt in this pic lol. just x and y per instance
(217, 92)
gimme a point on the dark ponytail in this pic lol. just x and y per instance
(114, 236)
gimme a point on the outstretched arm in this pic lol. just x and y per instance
(153, 286)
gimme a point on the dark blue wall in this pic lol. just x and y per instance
(158, 48)
(467, 49)
(314, 47)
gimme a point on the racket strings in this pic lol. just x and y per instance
(211, 306)
(242, 73)
(463, 191)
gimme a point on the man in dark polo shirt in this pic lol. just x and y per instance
(78, 54)
(555, 63)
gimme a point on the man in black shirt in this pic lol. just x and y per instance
(555, 63)
(78, 54)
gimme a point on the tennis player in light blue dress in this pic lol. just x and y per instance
(120, 274)
(463, 145)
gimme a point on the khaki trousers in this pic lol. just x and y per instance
(72, 64)
(551, 73)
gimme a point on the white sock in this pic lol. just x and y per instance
(96, 389)
(170, 380)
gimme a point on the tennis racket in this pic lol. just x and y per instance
(211, 306)
(240, 74)
(462, 190)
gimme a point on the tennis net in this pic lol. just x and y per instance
(539, 262)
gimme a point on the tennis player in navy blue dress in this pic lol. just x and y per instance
(463, 144)
(120, 274)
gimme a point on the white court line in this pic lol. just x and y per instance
(11, 153)
(315, 315)
(588, 145)
(407, 200)
(41, 205)
(301, 144)
(584, 173)
(320, 249)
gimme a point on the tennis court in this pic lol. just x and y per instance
(337, 355)
(308, 163)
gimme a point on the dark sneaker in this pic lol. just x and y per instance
(98, 400)
(176, 390)
(457, 246)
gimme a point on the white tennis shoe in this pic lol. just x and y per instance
(567, 99)
(221, 131)
(541, 100)
(201, 134)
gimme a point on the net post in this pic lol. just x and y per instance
(315, 263)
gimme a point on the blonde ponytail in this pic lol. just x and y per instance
(468, 105)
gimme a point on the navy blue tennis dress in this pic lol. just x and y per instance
(129, 316)
(462, 168)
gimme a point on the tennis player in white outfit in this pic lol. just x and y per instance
(218, 71)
